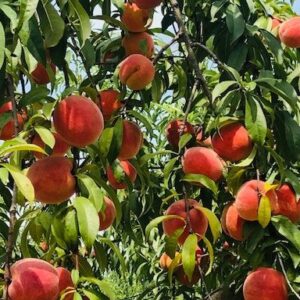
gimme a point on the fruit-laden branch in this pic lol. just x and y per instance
(13, 207)
(191, 55)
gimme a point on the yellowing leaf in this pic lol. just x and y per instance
(264, 211)
(268, 187)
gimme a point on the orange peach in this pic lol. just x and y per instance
(78, 120)
(232, 223)
(248, 197)
(204, 161)
(52, 179)
(198, 221)
(165, 260)
(129, 171)
(108, 215)
(66, 285)
(33, 279)
(289, 32)
(176, 128)
(132, 140)
(232, 142)
(138, 43)
(265, 284)
(109, 103)
(147, 4)
(60, 147)
(136, 71)
(134, 18)
(40, 74)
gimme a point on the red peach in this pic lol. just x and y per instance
(40, 74)
(78, 120)
(265, 284)
(147, 4)
(275, 22)
(7, 106)
(232, 142)
(109, 103)
(107, 216)
(175, 128)
(52, 179)
(289, 32)
(66, 284)
(198, 220)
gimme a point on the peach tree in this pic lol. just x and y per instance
(149, 149)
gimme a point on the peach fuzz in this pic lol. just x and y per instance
(109, 103)
(147, 4)
(204, 161)
(108, 215)
(60, 147)
(66, 285)
(176, 128)
(138, 43)
(132, 140)
(134, 18)
(289, 32)
(136, 71)
(232, 223)
(232, 142)
(40, 74)
(248, 197)
(129, 171)
(52, 179)
(265, 284)
(78, 120)
(33, 279)
(198, 220)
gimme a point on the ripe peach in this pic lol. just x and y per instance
(275, 22)
(265, 284)
(165, 260)
(40, 74)
(33, 279)
(109, 103)
(174, 129)
(78, 120)
(232, 223)
(136, 71)
(247, 199)
(204, 161)
(7, 106)
(134, 18)
(52, 179)
(287, 203)
(198, 221)
(65, 283)
(232, 142)
(107, 216)
(138, 43)
(60, 147)
(147, 4)
(129, 171)
(131, 142)
(289, 32)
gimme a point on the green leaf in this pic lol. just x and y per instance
(105, 141)
(27, 10)
(188, 255)
(203, 180)
(7, 148)
(2, 45)
(88, 220)
(23, 183)
(71, 233)
(184, 139)
(210, 252)
(35, 95)
(248, 160)
(46, 135)
(235, 22)
(169, 167)
(222, 87)
(264, 211)
(175, 263)
(24, 245)
(104, 287)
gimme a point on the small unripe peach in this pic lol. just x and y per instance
(66, 284)
(136, 71)
(175, 129)
(40, 74)
(109, 103)
(165, 260)
(107, 216)
(289, 32)
(147, 4)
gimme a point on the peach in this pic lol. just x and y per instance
(232, 223)
(129, 171)
(136, 71)
(265, 284)
(147, 4)
(33, 279)
(78, 120)
(289, 32)
(40, 74)
(7, 106)
(204, 161)
(108, 215)
(248, 196)
(60, 147)
(232, 142)
(165, 260)
(109, 103)
(138, 43)
(134, 18)
(132, 140)
(175, 128)
(66, 284)
(52, 179)
(287, 203)
(198, 221)
(275, 22)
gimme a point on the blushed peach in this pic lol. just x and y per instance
(165, 260)
(109, 103)
(66, 285)
(108, 215)
(147, 4)
(40, 74)
(275, 22)
(289, 32)
(176, 128)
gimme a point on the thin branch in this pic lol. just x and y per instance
(65, 71)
